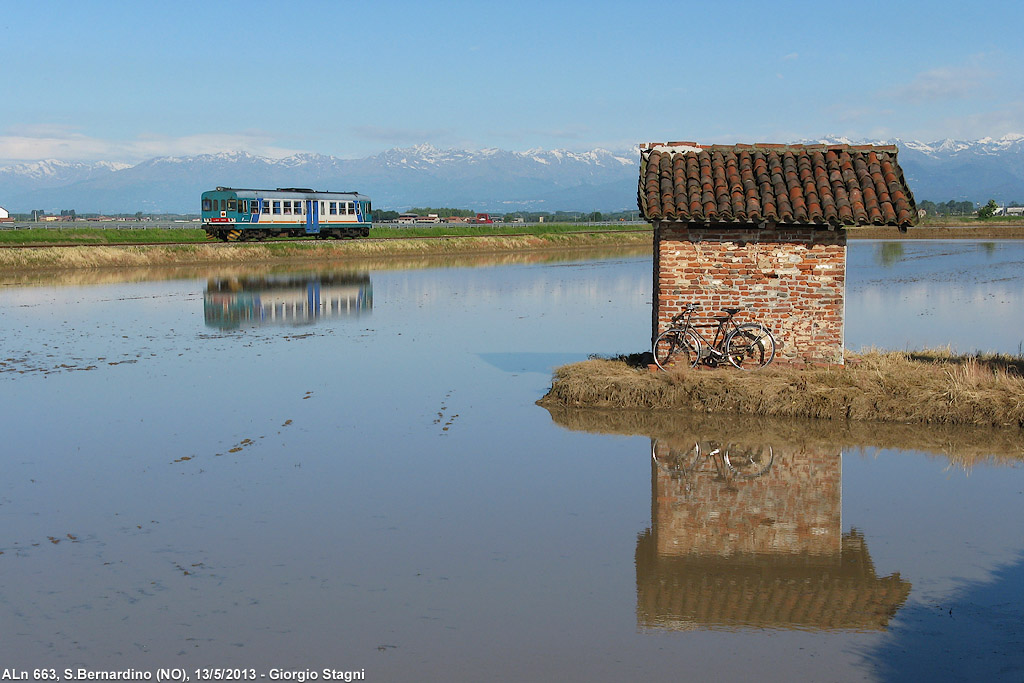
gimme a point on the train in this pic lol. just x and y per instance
(234, 214)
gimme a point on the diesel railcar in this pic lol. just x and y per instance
(233, 214)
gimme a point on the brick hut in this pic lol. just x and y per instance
(763, 228)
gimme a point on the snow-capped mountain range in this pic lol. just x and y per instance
(964, 170)
(485, 180)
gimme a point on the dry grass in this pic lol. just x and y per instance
(55, 258)
(125, 257)
(930, 387)
(961, 229)
(110, 275)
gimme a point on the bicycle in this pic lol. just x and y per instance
(746, 346)
(744, 462)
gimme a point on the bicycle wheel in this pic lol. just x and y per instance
(750, 346)
(674, 346)
(749, 462)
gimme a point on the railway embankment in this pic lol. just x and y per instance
(84, 248)
(926, 387)
(76, 248)
(304, 251)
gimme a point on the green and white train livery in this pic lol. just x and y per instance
(232, 214)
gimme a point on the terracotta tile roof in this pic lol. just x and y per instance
(826, 185)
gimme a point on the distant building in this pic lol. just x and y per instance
(407, 218)
(5, 216)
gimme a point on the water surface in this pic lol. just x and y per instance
(345, 468)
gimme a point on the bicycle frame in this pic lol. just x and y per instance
(721, 333)
(708, 348)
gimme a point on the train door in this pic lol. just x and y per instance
(312, 217)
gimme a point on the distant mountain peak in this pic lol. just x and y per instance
(489, 179)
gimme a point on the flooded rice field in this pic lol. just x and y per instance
(343, 470)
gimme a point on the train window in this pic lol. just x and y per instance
(322, 208)
(366, 208)
(287, 206)
(298, 208)
(231, 205)
(266, 206)
(207, 204)
(333, 208)
(277, 206)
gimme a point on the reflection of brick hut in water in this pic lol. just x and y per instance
(769, 551)
(763, 228)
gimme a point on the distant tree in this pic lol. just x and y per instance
(442, 211)
(988, 210)
(382, 215)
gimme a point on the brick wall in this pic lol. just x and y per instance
(792, 279)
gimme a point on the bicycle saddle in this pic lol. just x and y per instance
(732, 311)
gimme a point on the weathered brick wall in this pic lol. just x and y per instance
(792, 279)
(794, 507)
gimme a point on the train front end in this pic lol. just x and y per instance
(220, 214)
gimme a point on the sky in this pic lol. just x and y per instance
(128, 81)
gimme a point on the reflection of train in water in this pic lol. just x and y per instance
(287, 299)
(231, 214)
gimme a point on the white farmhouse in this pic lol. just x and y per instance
(5, 216)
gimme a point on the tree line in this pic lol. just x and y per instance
(955, 208)
(524, 216)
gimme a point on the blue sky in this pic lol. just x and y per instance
(127, 81)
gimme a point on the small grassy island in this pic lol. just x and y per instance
(925, 387)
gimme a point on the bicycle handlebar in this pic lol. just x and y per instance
(691, 307)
